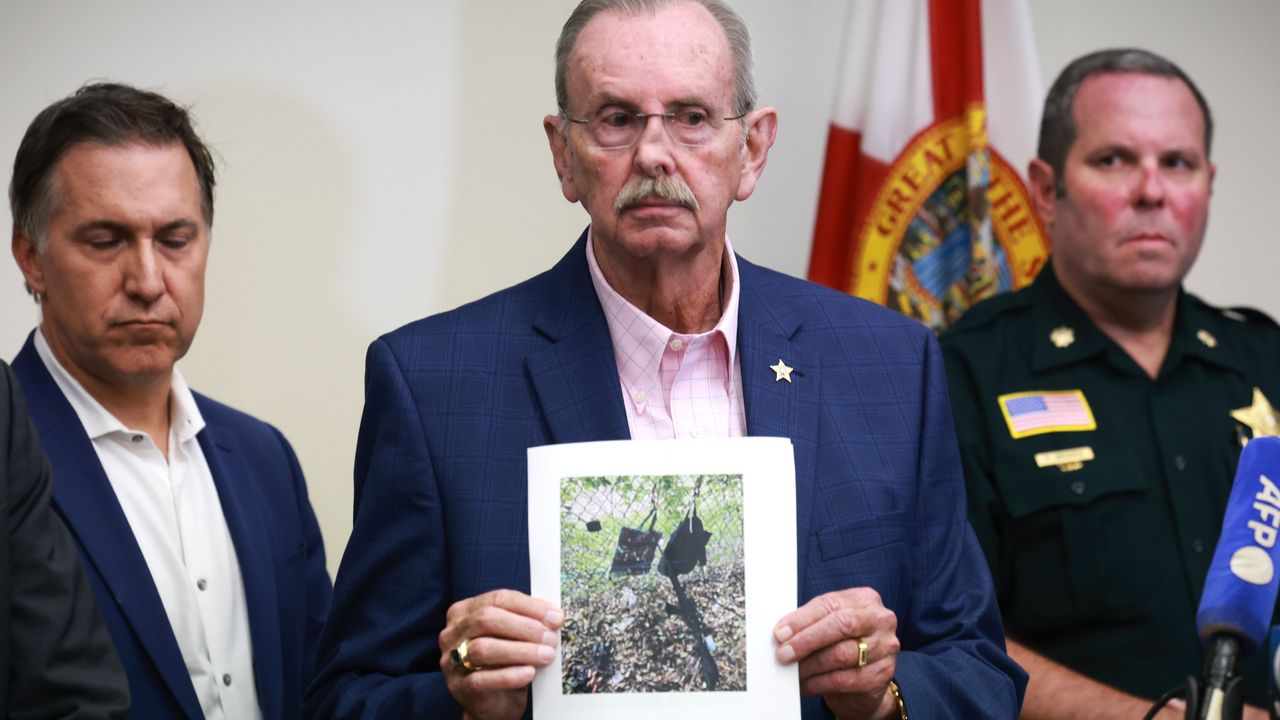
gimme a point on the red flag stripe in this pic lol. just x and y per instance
(955, 37)
(849, 180)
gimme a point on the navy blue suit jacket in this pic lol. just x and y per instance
(273, 528)
(453, 402)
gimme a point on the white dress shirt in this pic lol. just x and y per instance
(173, 509)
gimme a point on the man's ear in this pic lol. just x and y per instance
(28, 258)
(762, 129)
(1044, 189)
(560, 156)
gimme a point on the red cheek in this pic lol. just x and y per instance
(1190, 210)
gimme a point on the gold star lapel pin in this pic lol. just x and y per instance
(1261, 416)
(1062, 337)
(784, 372)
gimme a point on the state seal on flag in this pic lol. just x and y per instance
(950, 225)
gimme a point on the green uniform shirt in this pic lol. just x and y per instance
(1099, 563)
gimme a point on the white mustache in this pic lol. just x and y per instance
(666, 188)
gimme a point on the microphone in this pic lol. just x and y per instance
(1240, 590)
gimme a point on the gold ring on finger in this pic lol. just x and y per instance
(461, 659)
(862, 653)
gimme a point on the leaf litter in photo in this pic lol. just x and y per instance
(653, 584)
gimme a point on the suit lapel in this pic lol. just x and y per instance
(768, 333)
(234, 481)
(575, 377)
(91, 511)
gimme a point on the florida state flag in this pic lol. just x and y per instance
(923, 206)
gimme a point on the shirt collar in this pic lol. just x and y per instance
(1058, 313)
(187, 421)
(630, 327)
(1200, 331)
(1192, 320)
(185, 418)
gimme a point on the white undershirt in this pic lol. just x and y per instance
(173, 509)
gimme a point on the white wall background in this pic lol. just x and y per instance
(385, 160)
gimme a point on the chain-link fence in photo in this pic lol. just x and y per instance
(652, 582)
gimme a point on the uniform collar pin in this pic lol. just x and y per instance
(1062, 336)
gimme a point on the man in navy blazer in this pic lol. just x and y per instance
(191, 518)
(657, 134)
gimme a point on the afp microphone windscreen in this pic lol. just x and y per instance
(1240, 590)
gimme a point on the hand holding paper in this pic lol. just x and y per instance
(508, 635)
(825, 636)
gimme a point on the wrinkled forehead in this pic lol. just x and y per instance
(652, 60)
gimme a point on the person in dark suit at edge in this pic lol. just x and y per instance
(56, 659)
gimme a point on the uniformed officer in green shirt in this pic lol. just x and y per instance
(1101, 410)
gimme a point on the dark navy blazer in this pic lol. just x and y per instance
(273, 529)
(453, 401)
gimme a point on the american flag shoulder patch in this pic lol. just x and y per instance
(1045, 411)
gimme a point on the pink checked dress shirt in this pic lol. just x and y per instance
(676, 385)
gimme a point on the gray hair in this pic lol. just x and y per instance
(1058, 124)
(735, 31)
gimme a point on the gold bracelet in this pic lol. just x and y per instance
(897, 695)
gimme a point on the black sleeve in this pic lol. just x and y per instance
(61, 663)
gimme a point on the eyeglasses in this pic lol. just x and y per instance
(613, 128)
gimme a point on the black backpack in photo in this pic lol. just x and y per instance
(686, 548)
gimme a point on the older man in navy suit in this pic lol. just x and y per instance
(192, 518)
(651, 327)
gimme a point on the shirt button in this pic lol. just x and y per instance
(1077, 487)
(1179, 462)
(1197, 545)
(640, 397)
(202, 583)
(677, 344)
(226, 679)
